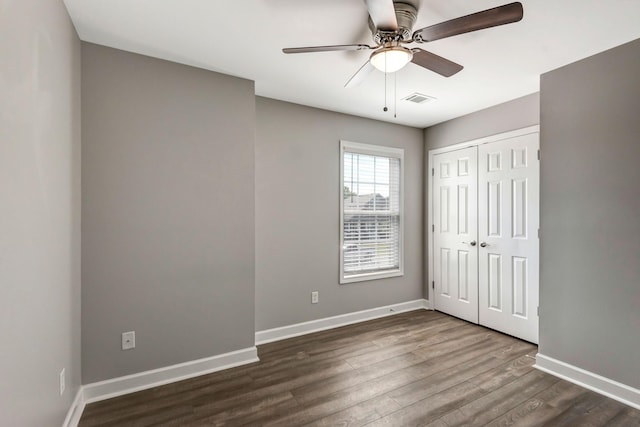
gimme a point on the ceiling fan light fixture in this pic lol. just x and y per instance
(391, 59)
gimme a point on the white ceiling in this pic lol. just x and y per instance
(245, 38)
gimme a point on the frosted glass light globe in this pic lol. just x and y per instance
(391, 59)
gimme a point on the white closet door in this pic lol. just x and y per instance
(508, 193)
(455, 232)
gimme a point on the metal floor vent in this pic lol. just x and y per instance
(419, 98)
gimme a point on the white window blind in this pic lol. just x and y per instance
(371, 231)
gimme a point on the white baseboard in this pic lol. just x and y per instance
(284, 332)
(75, 411)
(143, 380)
(605, 386)
(107, 389)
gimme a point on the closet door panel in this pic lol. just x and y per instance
(508, 199)
(455, 233)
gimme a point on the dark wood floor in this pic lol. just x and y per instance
(412, 369)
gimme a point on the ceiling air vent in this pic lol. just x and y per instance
(419, 98)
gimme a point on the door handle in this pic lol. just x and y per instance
(472, 243)
(483, 244)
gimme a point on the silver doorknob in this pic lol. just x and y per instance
(472, 243)
(483, 244)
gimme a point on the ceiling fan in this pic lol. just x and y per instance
(391, 23)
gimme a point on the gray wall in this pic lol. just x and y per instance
(297, 214)
(590, 214)
(516, 114)
(39, 212)
(167, 212)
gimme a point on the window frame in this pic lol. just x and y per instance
(372, 150)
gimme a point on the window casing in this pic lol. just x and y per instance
(371, 212)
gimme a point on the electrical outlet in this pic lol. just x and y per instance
(128, 340)
(314, 297)
(63, 384)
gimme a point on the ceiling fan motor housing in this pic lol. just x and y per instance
(406, 15)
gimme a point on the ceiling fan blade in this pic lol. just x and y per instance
(500, 15)
(435, 63)
(326, 48)
(383, 14)
(360, 75)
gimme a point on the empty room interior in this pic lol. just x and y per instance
(327, 213)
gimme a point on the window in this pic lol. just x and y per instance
(371, 224)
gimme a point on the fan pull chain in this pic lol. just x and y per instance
(395, 95)
(385, 109)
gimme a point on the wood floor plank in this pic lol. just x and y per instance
(531, 413)
(415, 368)
(360, 414)
(378, 386)
(274, 404)
(428, 410)
(164, 396)
(347, 398)
(220, 403)
(503, 399)
(547, 405)
(450, 372)
(319, 389)
(562, 395)
(590, 410)
(517, 367)
(364, 331)
(390, 351)
(626, 417)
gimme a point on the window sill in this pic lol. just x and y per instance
(370, 276)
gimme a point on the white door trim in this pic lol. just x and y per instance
(430, 213)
